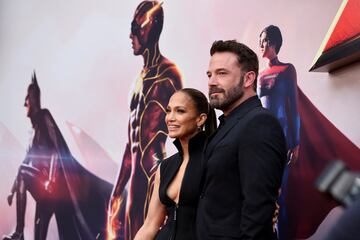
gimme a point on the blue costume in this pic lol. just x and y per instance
(278, 93)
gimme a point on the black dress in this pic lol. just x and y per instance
(180, 223)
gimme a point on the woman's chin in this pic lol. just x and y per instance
(172, 135)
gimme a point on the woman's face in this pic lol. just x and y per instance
(267, 50)
(182, 118)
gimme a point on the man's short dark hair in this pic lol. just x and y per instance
(273, 34)
(246, 57)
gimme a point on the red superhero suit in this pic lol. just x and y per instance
(147, 131)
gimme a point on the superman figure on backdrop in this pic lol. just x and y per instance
(312, 140)
(147, 132)
(57, 182)
(277, 90)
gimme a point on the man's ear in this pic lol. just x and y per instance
(249, 79)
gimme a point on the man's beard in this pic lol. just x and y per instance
(229, 97)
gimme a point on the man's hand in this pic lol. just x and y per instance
(276, 216)
(276, 213)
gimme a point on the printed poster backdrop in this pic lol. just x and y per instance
(90, 74)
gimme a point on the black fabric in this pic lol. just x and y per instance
(79, 199)
(180, 223)
(243, 167)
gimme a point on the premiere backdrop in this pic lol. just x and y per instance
(86, 71)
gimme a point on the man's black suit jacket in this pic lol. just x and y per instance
(243, 166)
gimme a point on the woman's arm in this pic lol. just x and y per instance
(156, 214)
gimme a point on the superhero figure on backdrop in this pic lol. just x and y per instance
(277, 90)
(57, 182)
(310, 147)
(147, 131)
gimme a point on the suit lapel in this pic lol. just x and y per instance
(239, 113)
(220, 134)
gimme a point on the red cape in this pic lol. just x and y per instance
(320, 143)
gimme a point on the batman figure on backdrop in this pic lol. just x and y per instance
(57, 182)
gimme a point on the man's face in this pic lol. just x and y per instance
(139, 35)
(225, 81)
(267, 50)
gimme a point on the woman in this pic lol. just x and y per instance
(278, 88)
(177, 182)
(278, 92)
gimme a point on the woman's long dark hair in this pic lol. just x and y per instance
(202, 106)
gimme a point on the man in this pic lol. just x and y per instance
(147, 131)
(57, 182)
(245, 159)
